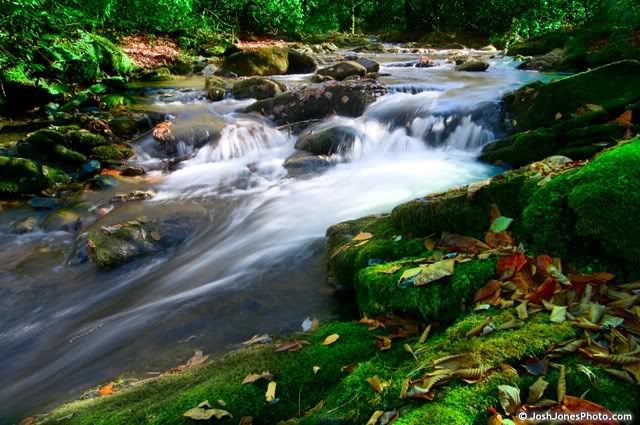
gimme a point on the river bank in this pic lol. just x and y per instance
(422, 127)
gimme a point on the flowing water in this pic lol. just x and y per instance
(254, 262)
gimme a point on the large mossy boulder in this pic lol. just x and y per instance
(342, 70)
(120, 243)
(301, 63)
(257, 88)
(340, 98)
(258, 62)
(577, 116)
(21, 92)
(590, 214)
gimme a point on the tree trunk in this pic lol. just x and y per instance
(353, 20)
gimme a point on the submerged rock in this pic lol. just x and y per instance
(134, 195)
(257, 88)
(306, 163)
(342, 98)
(473, 65)
(342, 70)
(121, 243)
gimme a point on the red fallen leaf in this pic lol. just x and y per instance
(544, 292)
(542, 263)
(487, 290)
(625, 119)
(578, 405)
(110, 172)
(499, 240)
(523, 280)
(463, 243)
(508, 266)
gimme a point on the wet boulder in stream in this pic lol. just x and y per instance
(342, 70)
(311, 103)
(216, 87)
(257, 88)
(327, 141)
(120, 243)
(184, 135)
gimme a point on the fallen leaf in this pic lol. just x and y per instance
(253, 377)
(562, 384)
(625, 119)
(578, 405)
(544, 292)
(258, 339)
(536, 367)
(510, 265)
(487, 290)
(376, 383)
(463, 243)
(289, 346)
(348, 368)
(509, 398)
(424, 335)
(362, 236)
(310, 324)
(203, 414)
(372, 323)
(409, 275)
(246, 420)
(390, 269)
(536, 390)
(430, 244)
(316, 408)
(316, 369)
(456, 361)
(383, 343)
(374, 418)
(521, 310)
(435, 271)
(558, 314)
(106, 390)
(270, 395)
(500, 224)
(331, 339)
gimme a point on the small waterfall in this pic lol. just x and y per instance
(240, 139)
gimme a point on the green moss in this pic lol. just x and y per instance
(386, 245)
(84, 140)
(107, 153)
(66, 155)
(591, 49)
(378, 292)
(590, 212)
(458, 212)
(113, 101)
(260, 62)
(18, 167)
(164, 400)
(523, 148)
(541, 44)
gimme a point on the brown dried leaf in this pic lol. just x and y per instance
(253, 377)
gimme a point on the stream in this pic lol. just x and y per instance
(254, 262)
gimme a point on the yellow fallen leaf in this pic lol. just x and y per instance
(203, 414)
(270, 396)
(362, 236)
(253, 377)
(316, 369)
(435, 271)
(374, 418)
(376, 383)
(331, 339)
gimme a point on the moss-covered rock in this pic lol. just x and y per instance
(23, 176)
(377, 291)
(574, 116)
(608, 87)
(258, 62)
(541, 44)
(588, 215)
(258, 88)
(216, 87)
(111, 246)
(590, 49)
(342, 98)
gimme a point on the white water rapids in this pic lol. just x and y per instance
(254, 262)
